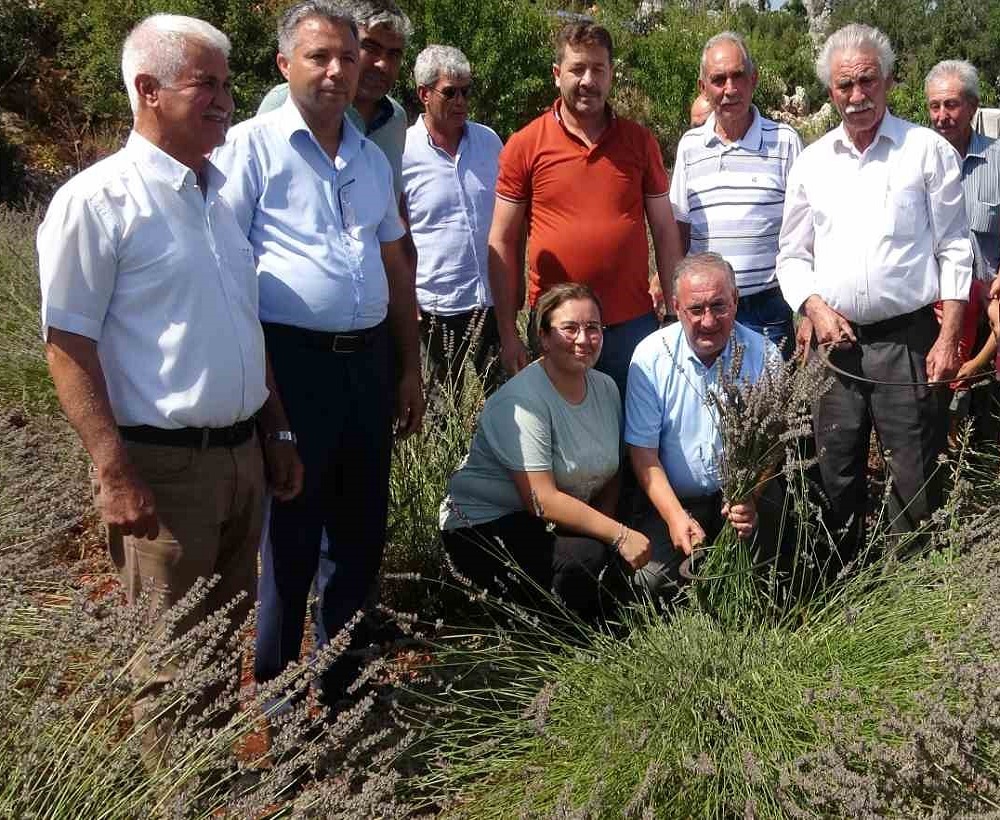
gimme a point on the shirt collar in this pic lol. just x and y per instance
(612, 117)
(722, 360)
(384, 114)
(427, 134)
(891, 128)
(153, 158)
(752, 140)
(978, 145)
(351, 140)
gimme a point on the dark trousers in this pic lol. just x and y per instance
(768, 314)
(910, 423)
(451, 344)
(569, 565)
(340, 407)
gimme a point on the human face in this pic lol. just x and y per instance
(322, 70)
(381, 59)
(951, 111)
(705, 303)
(583, 78)
(728, 87)
(573, 341)
(858, 91)
(446, 103)
(193, 112)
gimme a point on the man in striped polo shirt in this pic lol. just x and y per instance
(728, 187)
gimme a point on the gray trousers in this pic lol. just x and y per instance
(910, 423)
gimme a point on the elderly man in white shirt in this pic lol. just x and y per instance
(875, 233)
(449, 179)
(149, 312)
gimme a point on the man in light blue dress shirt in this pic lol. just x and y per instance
(672, 435)
(449, 179)
(315, 198)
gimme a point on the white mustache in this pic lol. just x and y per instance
(857, 109)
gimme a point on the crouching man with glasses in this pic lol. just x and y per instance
(671, 433)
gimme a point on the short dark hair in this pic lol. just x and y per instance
(583, 34)
(559, 295)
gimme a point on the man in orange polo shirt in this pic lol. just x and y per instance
(586, 181)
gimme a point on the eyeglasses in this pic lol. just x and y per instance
(720, 310)
(572, 329)
(449, 92)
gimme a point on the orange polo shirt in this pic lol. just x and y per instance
(586, 208)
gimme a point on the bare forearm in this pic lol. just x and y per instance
(83, 394)
(503, 267)
(272, 416)
(570, 513)
(952, 312)
(668, 253)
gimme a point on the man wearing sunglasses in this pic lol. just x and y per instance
(383, 30)
(449, 175)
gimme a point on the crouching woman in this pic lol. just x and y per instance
(540, 483)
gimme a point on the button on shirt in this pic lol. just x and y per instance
(132, 255)
(981, 185)
(315, 223)
(879, 233)
(733, 194)
(665, 403)
(450, 205)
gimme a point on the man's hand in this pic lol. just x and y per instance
(832, 330)
(284, 469)
(514, 355)
(126, 502)
(943, 360)
(742, 516)
(409, 402)
(803, 339)
(685, 532)
(635, 549)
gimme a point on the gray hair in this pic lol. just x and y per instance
(855, 37)
(381, 13)
(962, 70)
(437, 61)
(157, 46)
(727, 37)
(294, 16)
(699, 262)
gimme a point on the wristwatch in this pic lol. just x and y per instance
(282, 435)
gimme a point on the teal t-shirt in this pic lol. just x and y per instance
(388, 130)
(527, 426)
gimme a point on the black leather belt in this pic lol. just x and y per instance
(201, 437)
(877, 331)
(349, 342)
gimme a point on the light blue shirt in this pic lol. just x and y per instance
(315, 223)
(665, 403)
(450, 205)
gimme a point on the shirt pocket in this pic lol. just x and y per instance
(907, 213)
(983, 217)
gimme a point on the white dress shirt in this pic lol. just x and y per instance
(315, 223)
(132, 255)
(879, 233)
(450, 204)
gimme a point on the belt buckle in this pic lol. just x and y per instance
(348, 340)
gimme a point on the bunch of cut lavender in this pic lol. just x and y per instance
(758, 423)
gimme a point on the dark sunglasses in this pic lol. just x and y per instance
(453, 91)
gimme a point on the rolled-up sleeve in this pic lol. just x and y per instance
(794, 263)
(949, 223)
(77, 265)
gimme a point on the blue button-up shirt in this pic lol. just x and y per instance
(981, 186)
(665, 403)
(315, 223)
(450, 205)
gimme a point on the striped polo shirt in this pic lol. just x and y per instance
(733, 194)
(981, 186)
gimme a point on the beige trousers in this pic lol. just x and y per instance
(210, 507)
